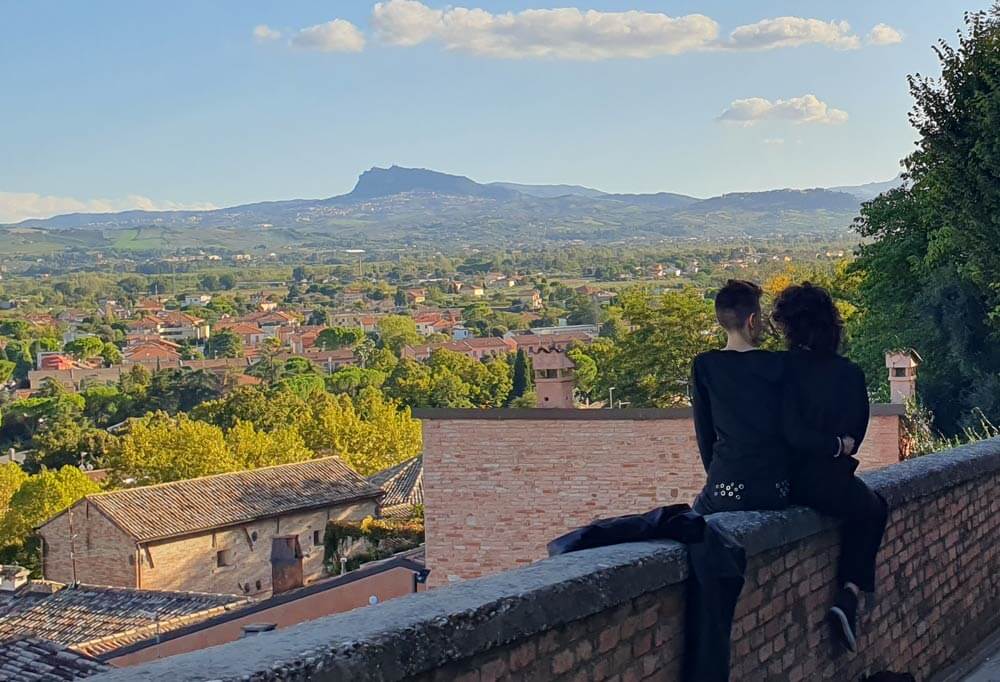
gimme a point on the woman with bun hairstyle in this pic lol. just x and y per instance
(826, 394)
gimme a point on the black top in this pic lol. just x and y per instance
(825, 396)
(737, 399)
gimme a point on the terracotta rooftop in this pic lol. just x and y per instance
(27, 659)
(171, 509)
(93, 619)
(403, 485)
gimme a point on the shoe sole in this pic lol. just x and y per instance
(839, 619)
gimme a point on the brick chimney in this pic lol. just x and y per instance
(902, 365)
(554, 378)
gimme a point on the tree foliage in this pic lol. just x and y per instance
(649, 365)
(39, 498)
(339, 337)
(930, 265)
(397, 331)
(224, 344)
(160, 448)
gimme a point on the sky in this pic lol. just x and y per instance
(189, 103)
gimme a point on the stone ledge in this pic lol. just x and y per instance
(626, 414)
(421, 632)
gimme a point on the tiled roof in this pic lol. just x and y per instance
(27, 659)
(403, 484)
(172, 509)
(95, 619)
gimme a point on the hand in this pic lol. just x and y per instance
(848, 446)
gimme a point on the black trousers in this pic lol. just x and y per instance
(836, 492)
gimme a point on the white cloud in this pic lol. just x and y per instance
(792, 32)
(805, 109)
(264, 33)
(566, 33)
(773, 141)
(570, 32)
(17, 206)
(338, 35)
(883, 34)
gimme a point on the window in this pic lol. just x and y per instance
(899, 371)
(317, 538)
(224, 557)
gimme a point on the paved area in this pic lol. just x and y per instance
(988, 670)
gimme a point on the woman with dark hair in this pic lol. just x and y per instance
(825, 415)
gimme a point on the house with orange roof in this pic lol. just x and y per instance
(250, 334)
(475, 348)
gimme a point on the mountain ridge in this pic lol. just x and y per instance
(400, 206)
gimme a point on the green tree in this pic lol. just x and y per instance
(930, 265)
(265, 408)
(339, 337)
(651, 364)
(69, 441)
(353, 380)
(12, 476)
(85, 348)
(373, 436)
(253, 448)
(159, 448)
(6, 371)
(224, 344)
(208, 282)
(302, 385)
(111, 354)
(227, 281)
(520, 376)
(104, 405)
(16, 329)
(41, 497)
(179, 390)
(397, 331)
(585, 372)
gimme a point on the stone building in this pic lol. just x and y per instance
(250, 533)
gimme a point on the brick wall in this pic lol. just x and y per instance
(83, 545)
(531, 480)
(616, 613)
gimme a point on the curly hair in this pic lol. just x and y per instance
(808, 318)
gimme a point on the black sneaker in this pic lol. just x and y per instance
(843, 616)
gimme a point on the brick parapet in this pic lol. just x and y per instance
(499, 484)
(616, 613)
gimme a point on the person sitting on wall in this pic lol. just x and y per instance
(825, 394)
(736, 393)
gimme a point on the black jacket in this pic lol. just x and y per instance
(737, 401)
(825, 396)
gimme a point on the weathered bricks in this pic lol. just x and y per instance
(496, 491)
(920, 624)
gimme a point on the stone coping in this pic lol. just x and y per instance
(626, 414)
(421, 632)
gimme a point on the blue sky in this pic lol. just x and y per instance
(108, 105)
